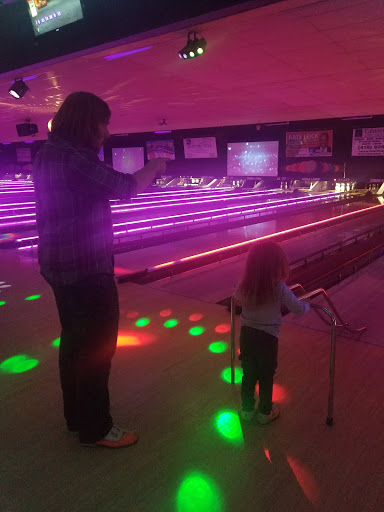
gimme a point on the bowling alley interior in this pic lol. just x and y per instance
(269, 116)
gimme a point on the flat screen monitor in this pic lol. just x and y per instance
(128, 160)
(258, 159)
(48, 15)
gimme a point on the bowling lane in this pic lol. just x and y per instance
(217, 281)
(148, 257)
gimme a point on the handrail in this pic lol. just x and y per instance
(318, 291)
(316, 307)
(343, 243)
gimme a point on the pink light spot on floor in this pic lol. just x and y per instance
(165, 312)
(222, 328)
(266, 451)
(195, 317)
(132, 314)
(305, 479)
(279, 393)
(132, 339)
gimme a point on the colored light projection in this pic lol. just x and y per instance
(132, 338)
(196, 331)
(305, 479)
(228, 425)
(172, 322)
(142, 322)
(218, 347)
(223, 328)
(199, 493)
(195, 317)
(32, 297)
(2, 302)
(56, 342)
(165, 312)
(226, 375)
(18, 364)
(279, 392)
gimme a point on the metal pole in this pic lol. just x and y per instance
(233, 343)
(329, 420)
(331, 373)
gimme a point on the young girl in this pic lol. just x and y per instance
(261, 293)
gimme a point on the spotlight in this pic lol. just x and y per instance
(194, 47)
(18, 89)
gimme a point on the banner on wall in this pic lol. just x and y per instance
(160, 149)
(23, 154)
(313, 144)
(204, 147)
(368, 142)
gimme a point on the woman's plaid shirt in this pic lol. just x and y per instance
(73, 215)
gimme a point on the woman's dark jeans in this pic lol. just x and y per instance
(89, 317)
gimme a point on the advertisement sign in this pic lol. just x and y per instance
(23, 154)
(368, 142)
(204, 147)
(160, 149)
(304, 144)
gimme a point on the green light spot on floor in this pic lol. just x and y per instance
(2, 302)
(172, 322)
(217, 347)
(142, 322)
(56, 342)
(196, 331)
(32, 297)
(226, 375)
(18, 364)
(229, 427)
(199, 493)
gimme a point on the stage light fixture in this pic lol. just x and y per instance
(195, 46)
(18, 89)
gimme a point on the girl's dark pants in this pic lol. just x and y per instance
(258, 356)
(89, 316)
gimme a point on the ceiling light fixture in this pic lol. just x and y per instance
(194, 47)
(18, 89)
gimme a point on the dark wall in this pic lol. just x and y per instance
(356, 168)
(341, 161)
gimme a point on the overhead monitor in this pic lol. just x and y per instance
(258, 159)
(128, 160)
(48, 15)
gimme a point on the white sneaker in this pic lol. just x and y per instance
(264, 419)
(247, 415)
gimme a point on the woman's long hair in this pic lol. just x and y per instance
(266, 265)
(78, 118)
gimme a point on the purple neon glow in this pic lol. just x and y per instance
(124, 54)
(194, 216)
(29, 141)
(166, 203)
(6, 143)
(29, 78)
(163, 131)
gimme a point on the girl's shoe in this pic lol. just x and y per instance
(247, 415)
(264, 419)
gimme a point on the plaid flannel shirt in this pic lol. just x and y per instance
(73, 215)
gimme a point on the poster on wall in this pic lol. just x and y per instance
(368, 142)
(305, 144)
(23, 154)
(204, 147)
(160, 149)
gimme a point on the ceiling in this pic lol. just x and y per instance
(294, 60)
